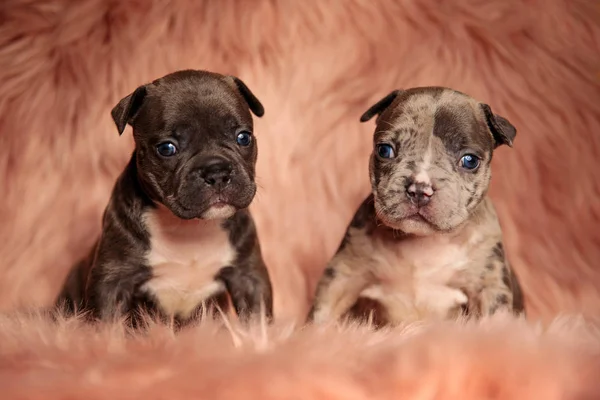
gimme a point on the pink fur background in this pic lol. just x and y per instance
(316, 66)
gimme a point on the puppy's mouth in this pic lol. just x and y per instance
(409, 216)
(414, 216)
(217, 202)
(217, 206)
(417, 217)
(194, 200)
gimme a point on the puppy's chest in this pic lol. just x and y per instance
(184, 257)
(421, 275)
(431, 259)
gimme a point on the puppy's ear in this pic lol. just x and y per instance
(253, 103)
(380, 106)
(504, 132)
(127, 108)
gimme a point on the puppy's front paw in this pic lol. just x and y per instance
(458, 298)
(440, 300)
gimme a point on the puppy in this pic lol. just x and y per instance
(427, 242)
(177, 231)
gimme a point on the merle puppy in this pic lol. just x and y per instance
(426, 243)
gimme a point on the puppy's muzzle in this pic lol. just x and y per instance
(419, 193)
(216, 172)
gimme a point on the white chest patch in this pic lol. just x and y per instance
(414, 276)
(184, 257)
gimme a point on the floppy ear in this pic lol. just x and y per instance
(380, 106)
(504, 132)
(124, 112)
(253, 103)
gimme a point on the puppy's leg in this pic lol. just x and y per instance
(337, 291)
(493, 297)
(250, 291)
(71, 298)
(396, 308)
(349, 272)
(111, 289)
(430, 300)
(108, 302)
(500, 288)
(502, 293)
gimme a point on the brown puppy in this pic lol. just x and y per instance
(427, 242)
(177, 231)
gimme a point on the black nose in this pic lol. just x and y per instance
(216, 171)
(419, 193)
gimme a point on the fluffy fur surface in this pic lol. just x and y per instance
(497, 359)
(316, 66)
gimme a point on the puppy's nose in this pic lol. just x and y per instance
(216, 171)
(419, 193)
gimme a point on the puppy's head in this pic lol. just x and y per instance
(430, 165)
(195, 148)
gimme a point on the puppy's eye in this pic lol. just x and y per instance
(385, 151)
(469, 161)
(244, 139)
(166, 149)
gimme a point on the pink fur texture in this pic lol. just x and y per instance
(497, 359)
(316, 65)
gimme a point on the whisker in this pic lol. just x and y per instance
(384, 132)
(390, 124)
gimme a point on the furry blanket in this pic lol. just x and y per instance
(316, 66)
(496, 359)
